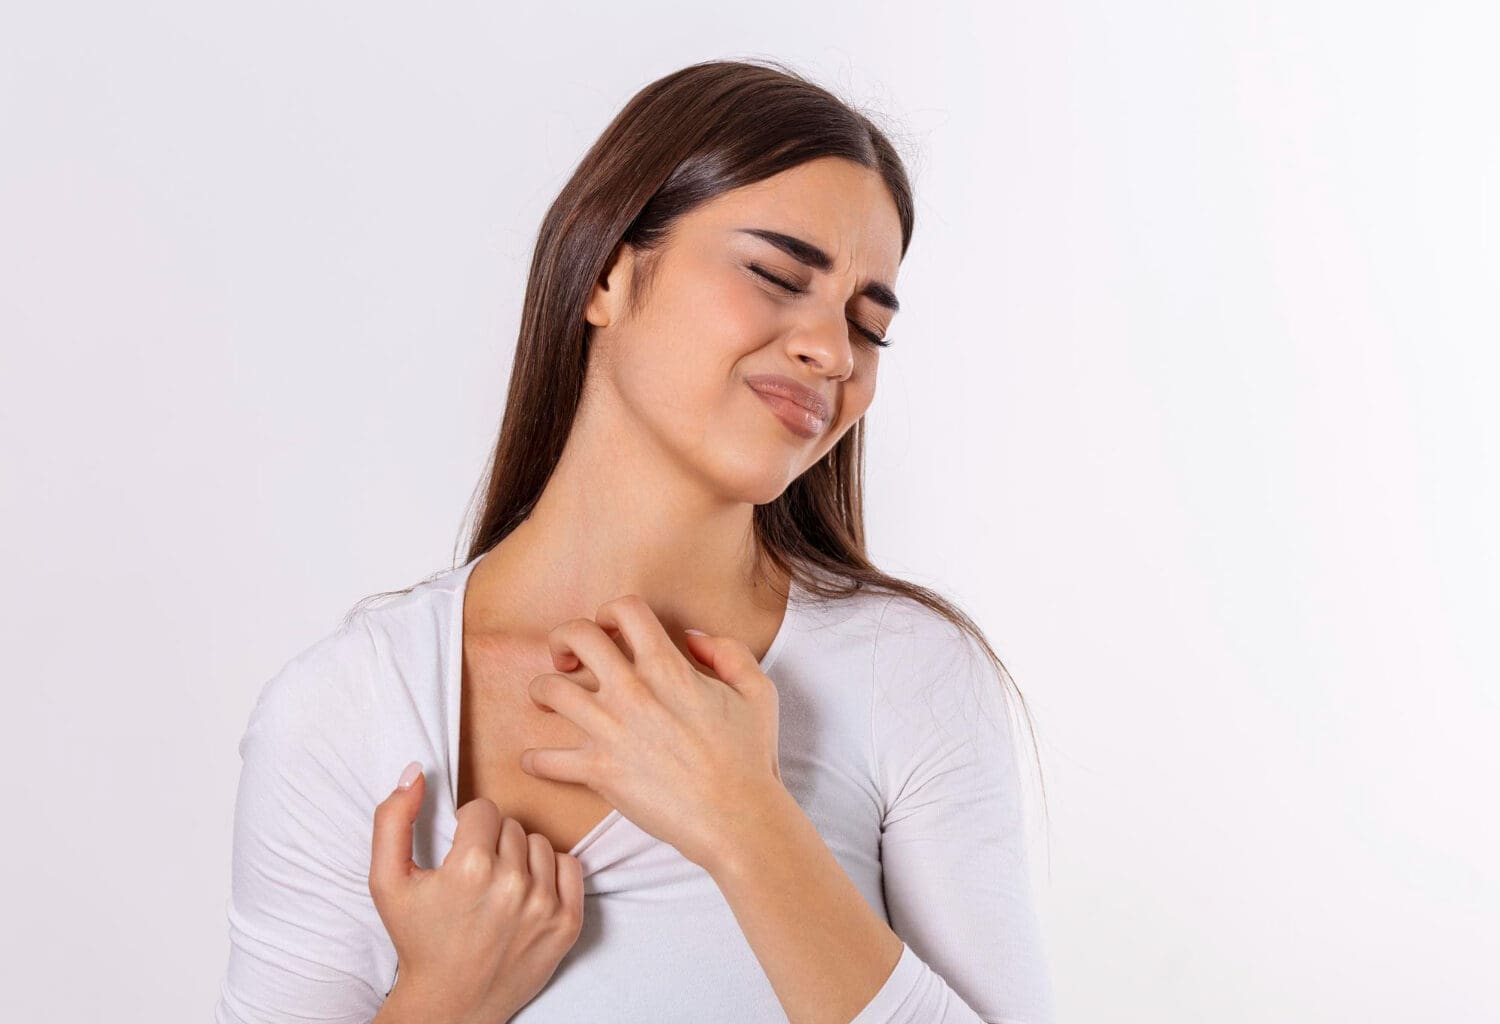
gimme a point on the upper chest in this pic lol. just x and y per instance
(497, 721)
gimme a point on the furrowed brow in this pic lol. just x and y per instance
(810, 255)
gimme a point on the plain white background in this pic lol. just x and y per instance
(1192, 406)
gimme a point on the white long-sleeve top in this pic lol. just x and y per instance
(895, 740)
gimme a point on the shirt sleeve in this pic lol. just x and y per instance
(303, 929)
(953, 847)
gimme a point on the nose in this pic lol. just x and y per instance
(826, 346)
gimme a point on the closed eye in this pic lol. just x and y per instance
(791, 286)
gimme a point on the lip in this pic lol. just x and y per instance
(803, 410)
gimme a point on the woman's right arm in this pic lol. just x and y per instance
(480, 935)
(304, 938)
(324, 884)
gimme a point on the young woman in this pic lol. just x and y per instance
(811, 809)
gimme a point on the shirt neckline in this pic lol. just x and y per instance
(453, 684)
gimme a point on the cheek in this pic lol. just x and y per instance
(678, 369)
(855, 402)
(855, 399)
(859, 390)
(735, 316)
(714, 319)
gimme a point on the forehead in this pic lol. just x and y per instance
(839, 206)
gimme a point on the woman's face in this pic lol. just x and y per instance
(713, 324)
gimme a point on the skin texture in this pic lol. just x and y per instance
(644, 529)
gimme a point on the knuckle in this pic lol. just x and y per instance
(474, 864)
(592, 762)
(567, 627)
(508, 886)
(569, 917)
(657, 648)
(538, 907)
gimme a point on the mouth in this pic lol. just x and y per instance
(800, 409)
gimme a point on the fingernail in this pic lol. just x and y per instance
(696, 632)
(409, 776)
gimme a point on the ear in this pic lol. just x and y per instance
(607, 302)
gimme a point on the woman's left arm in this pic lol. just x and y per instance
(823, 948)
(956, 878)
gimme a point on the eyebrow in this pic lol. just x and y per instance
(806, 253)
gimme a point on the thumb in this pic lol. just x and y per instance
(391, 862)
(727, 656)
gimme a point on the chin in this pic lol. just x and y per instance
(756, 476)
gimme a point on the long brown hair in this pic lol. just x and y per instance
(692, 135)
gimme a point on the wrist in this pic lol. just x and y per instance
(758, 820)
(400, 1006)
(411, 1002)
